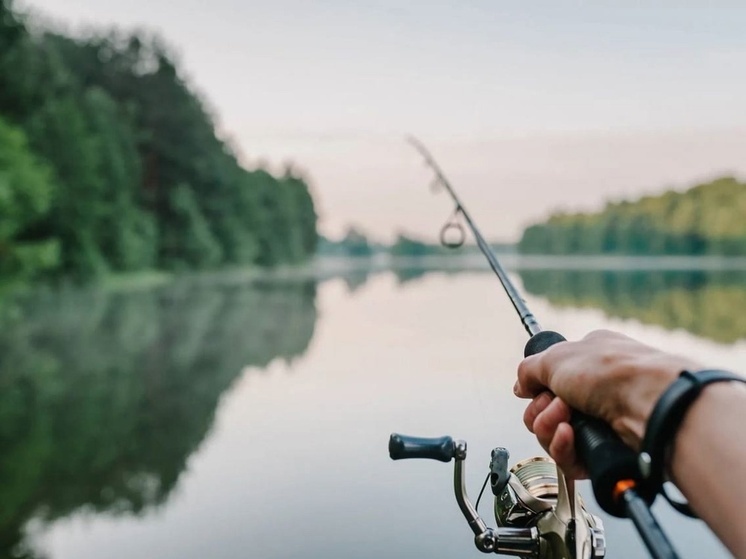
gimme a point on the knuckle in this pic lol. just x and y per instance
(543, 426)
(600, 333)
(528, 418)
(535, 408)
(524, 368)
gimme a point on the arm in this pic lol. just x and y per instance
(618, 379)
(708, 463)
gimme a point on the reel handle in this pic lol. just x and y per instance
(608, 460)
(402, 447)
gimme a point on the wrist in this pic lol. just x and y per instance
(706, 410)
(649, 379)
(707, 460)
(670, 413)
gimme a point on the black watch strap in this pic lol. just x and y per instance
(666, 418)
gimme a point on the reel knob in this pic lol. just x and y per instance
(403, 447)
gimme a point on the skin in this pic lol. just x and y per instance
(618, 379)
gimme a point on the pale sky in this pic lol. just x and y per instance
(528, 106)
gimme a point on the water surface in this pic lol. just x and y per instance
(231, 420)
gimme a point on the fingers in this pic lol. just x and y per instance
(546, 423)
(531, 377)
(548, 418)
(562, 450)
(562, 363)
(535, 372)
(537, 405)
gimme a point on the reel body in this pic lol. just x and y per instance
(537, 515)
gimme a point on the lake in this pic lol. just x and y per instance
(218, 418)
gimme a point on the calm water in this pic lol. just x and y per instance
(232, 421)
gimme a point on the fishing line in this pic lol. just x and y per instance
(481, 491)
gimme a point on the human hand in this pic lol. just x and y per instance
(606, 375)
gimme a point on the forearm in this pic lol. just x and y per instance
(710, 449)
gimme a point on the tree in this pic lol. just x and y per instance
(26, 191)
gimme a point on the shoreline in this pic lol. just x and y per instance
(323, 268)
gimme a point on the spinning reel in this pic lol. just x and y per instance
(538, 514)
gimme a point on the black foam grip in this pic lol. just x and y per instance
(402, 447)
(607, 459)
(541, 341)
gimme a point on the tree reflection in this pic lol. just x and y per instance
(105, 396)
(710, 304)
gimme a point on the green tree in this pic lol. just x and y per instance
(26, 192)
(188, 241)
(125, 232)
(356, 243)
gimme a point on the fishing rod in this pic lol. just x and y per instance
(538, 511)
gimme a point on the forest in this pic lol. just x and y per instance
(110, 162)
(707, 219)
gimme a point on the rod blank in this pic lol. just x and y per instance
(528, 320)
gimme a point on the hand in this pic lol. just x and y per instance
(606, 375)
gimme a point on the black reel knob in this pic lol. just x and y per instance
(402, 447)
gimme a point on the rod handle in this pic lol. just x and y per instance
(403, 446)
(607, 459)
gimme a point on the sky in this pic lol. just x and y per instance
(529, 108)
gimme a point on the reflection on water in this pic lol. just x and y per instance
(711, 304)
(104, 396)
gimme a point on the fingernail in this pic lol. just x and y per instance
(516, 387)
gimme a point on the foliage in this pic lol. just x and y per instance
(137, 177)
(354, 244)
(706, 219)
(406, 245)
(26, 193)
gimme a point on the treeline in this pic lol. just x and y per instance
(356, 244)
(110, 162)
(706, 219)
